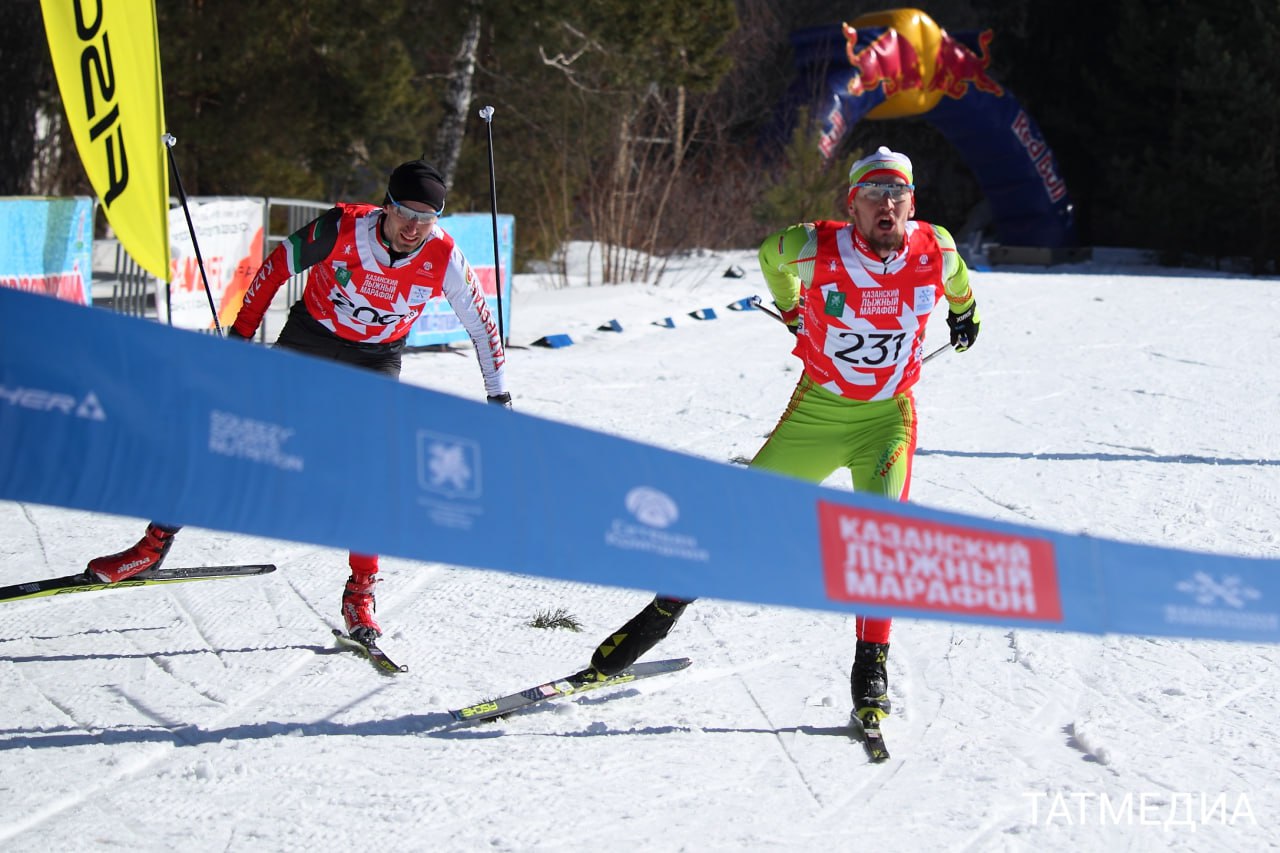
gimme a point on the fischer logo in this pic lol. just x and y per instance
(883, 559)
(102, 108)
(40, 400)
(1229, 590)
(656, 511)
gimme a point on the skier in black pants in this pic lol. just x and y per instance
(371, 270)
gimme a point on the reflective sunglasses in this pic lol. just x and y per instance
(879, 192)
(426, 217)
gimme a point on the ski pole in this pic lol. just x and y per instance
(939, 351)
(755, 300)
(169, 141)
(486, 113)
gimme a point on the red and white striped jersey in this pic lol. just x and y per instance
(863, 318)
(357, 292)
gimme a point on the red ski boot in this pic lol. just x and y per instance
(147, 554)
(358, 606)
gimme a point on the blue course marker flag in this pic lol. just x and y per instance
(553, 341)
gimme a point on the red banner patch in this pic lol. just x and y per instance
(488, 279)
(892, 561)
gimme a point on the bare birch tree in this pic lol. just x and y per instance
(457, 96)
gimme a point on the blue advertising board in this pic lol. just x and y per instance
(46, 246)
(473, 234)
(234, 437)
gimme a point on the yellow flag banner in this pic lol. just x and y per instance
(107, 58)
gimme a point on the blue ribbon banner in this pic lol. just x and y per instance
(238, 437)
(473, 234)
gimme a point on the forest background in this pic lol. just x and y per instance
(651, 127)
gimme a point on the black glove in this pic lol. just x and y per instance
(234, 335)
(964, 327)
(503, 399)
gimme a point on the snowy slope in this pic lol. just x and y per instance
(1141, 407)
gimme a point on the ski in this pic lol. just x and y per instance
(868, 731)
(375, 655)
(84, 582)
(569, 686)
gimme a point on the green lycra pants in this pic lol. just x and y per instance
(821, 432)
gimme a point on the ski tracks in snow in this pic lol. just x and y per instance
(146, 683)
(804, 703)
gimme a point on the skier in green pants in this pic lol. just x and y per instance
(858, 296)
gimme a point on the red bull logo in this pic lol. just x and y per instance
(956, 66)
(1038, 150)
(889, 62)
(903, 64)
(835, 131)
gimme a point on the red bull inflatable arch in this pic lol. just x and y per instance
(900, 63)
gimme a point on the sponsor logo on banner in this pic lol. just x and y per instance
(652, 507)
(68, 287)
(887, 560)
(449, 472)
(247, 438)
(656, 511)
(1221, 602)
(223, 269)
(40, 400)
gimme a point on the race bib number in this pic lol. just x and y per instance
(868, 349)
(858, 352)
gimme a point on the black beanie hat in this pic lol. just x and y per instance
(416, 180)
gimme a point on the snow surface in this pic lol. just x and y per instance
(1133, 404)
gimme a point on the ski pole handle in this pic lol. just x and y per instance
(755, 300)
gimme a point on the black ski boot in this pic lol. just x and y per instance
(641, 633)
(869, 681)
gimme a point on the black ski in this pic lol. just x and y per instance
(571, 685)
(83, 582)
(868, 731)
(375, 655)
